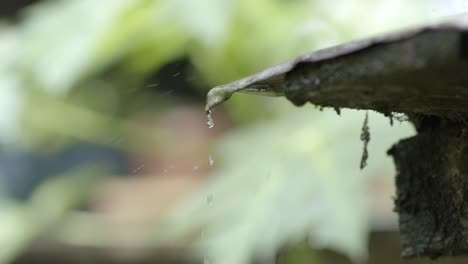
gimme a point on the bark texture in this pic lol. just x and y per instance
(432, 189)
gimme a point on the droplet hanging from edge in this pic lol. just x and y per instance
(211, 161)
(209, 119)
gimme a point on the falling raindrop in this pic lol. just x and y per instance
(116, 140)
(168, 92)
(138, 168)
(195, 168)
(209, 119)
(209, 199)
(206, 260)
(211, 161)
(152, 85)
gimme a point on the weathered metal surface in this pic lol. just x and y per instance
(419, 70)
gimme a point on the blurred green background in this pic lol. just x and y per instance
(105, 156)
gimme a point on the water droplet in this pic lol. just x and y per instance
(209, 199)
(218, 95)
(168, 92)
(176, 74)
(116, 140)
(152, 85)
(195, 168)
(209, 119)
(317, 81)
(139, 168)
(211, 161)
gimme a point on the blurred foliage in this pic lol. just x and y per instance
(22, 222)
(60, 45)
(285, 179)
(68, 67)
(299, 253)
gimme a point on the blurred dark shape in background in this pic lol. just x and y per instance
(22, 171)
(10, 8)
